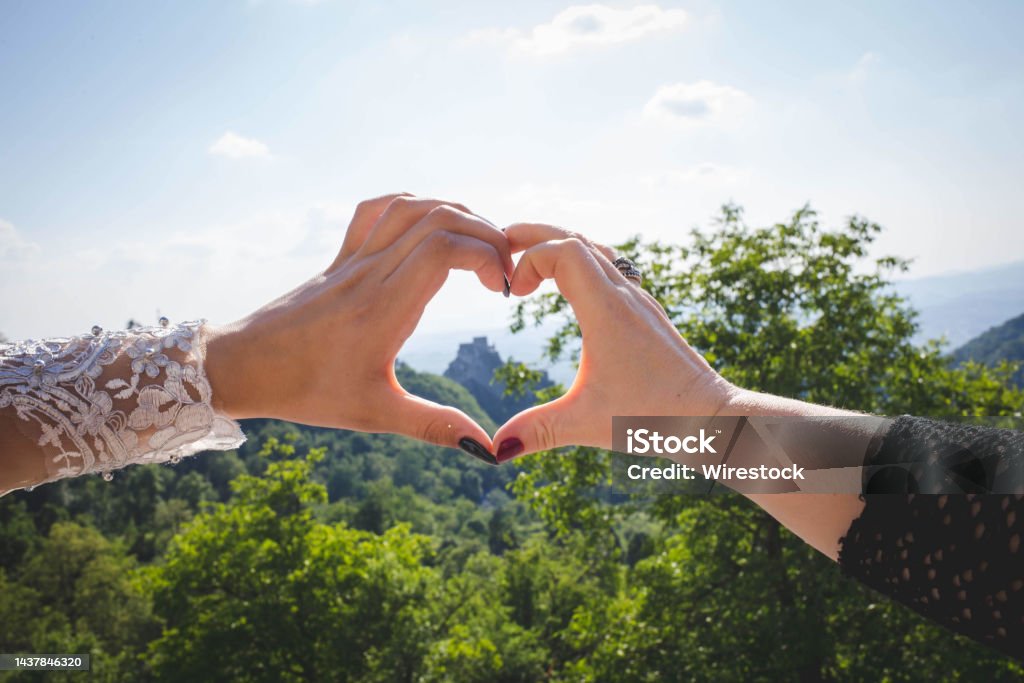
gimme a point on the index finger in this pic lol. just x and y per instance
(522, 236)
(365, 217)
(574, 267)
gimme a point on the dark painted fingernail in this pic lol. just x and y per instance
(509, 449)
(477, 450)
(508, 286)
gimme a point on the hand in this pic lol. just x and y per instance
(324, 354)
(633, 362)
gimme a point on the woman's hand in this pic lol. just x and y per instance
(324, 354)
(634, 362)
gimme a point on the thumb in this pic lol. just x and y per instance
(539, 428)
(442, 425)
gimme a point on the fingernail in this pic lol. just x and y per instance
(509, 449)
(477, 450)
(508, 286)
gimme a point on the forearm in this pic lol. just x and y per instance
(98, 402)
(234, 386)
(850, 458)
(820, 519)
(22, 463)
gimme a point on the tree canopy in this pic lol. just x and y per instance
(313, 554)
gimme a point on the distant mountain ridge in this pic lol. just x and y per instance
(957, 306)
(964, 308)
(1002, 342)
(961, 306)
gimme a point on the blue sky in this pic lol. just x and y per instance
(200, 158)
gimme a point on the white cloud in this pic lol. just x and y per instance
(698, 104)
(13, 247)
(860, 71)
(581, 25)
(234, 146)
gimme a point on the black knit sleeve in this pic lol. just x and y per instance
(955, 558)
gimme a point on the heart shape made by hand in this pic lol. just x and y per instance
(633, 360)
(324, 354)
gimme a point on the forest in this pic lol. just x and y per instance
(322, 555)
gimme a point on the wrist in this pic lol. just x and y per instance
(224, 364)
(710, 396)
(744, 402)
(740, 402)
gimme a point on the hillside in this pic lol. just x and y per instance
(446, 392)
(373, 481)
(1002, 342)
(956, 305)
(312, 554)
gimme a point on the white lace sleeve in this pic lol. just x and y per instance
(101, 401)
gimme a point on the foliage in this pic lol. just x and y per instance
(444, 391)
(798, 311)
(258, 590)
(77, 592)
(314, 554)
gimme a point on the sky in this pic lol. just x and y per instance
(197, 159)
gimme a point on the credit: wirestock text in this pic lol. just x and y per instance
(716, 472)
(710, 448)
(648, 442)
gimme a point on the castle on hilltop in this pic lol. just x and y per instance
(473, 368)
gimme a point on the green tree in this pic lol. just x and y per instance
(77, 593)
(258, 590)
(18, 536)
(476, 640)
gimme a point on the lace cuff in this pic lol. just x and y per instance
(101, 401)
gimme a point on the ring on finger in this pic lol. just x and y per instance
(628, 269)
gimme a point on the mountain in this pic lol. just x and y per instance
(957, 306)
(431, 351)
(474, 367)
(960, 306)
(1003, 342)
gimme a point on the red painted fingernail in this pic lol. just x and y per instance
(509, 449)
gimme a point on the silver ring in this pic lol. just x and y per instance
(628, 270)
